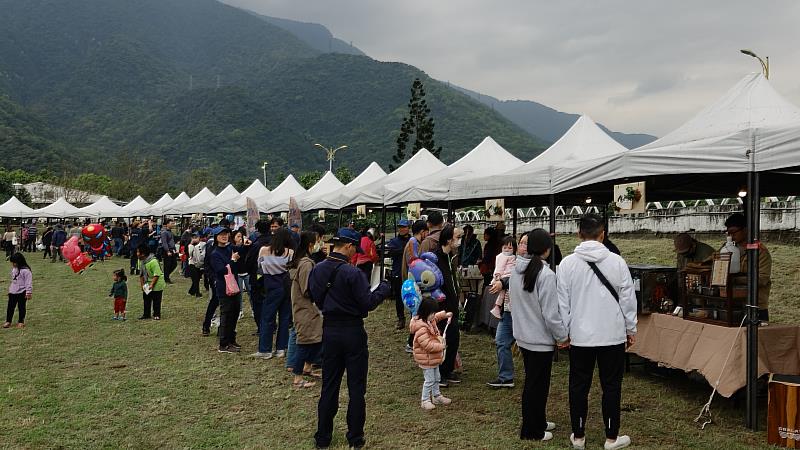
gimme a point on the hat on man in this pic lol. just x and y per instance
(219, 230)
(348, 236)
(403, 223)
(683, 243)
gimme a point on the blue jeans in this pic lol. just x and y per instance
(305, 353)
(504, 339)
(275, 302)
(117, 245)
(291, 350)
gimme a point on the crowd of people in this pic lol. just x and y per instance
(309, 299)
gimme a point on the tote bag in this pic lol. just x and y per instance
(231, 286)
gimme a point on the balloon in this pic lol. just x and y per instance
(427, 275)
(411, 295)
(71, 250)
(80, 263)
(94, 235)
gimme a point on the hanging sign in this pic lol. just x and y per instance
(413, 211)
(252, 214)
(321, 216)
(361, 211)
(495, 210)
(629, 198)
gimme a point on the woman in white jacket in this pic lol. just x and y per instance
(538, 328)
(598, 306)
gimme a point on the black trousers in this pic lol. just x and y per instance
(57, 252)
(535, 392)
(194, 273)
(47, 252)
(343, 348)
(16, 301)
(170, 263)
(213, 304)
(452, 339)
(400, 308)
(153, 299)
(228, 315)
(611, 365)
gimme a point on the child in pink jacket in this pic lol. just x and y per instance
(503, 266)
(429, 350)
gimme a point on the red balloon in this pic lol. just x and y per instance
(80, 263)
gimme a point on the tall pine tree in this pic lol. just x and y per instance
(417, 123)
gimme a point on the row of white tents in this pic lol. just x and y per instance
(751, 128)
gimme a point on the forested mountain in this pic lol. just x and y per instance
(197, 82)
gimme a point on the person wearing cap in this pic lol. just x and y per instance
(342, 294)
(736, 228)
(689, 250)
(229, 305)
(395, 247)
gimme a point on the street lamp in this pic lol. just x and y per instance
(331, 153)
(264, 168)
(764, 64)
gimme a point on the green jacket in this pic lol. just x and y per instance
(151, 269)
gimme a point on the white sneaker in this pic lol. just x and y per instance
(280, 353)
(267, 355)
(427, 405)
(577, 444)
(621, 442)
(550, 426)
(409, 349)
(547, 436)
(441, 400)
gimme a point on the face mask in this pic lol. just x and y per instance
(522, 249)
(508, 253)
(458, 243)
(317, 247)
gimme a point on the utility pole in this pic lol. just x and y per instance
(191, 82)
(217, 81)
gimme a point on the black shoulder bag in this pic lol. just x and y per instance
(604, 280)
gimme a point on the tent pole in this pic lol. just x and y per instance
(450, 215)
(383, 241)
(552, 217)
(753, 231)
(339, 225)
(514, 222)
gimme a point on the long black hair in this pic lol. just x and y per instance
(539, 242)
(307, 238)
(19, 260)
(281, 240)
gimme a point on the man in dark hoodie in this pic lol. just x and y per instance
(251, 266)
(59, 238)
(167, 243)
(435, 225)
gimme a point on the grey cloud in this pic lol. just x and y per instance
(641, 66)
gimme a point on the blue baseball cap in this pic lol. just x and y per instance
(348, 236)
(219, 230)
(403, 223)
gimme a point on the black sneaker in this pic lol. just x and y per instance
(443, 384)
(358, 443)
(453, 379)
(228, 349)
(206, 332)
(236, 345)
(401, 324)
(498, 383)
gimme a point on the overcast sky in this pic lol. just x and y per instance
(636, 66)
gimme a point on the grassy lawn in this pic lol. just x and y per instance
(76, 379)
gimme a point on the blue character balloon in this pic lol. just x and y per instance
(427, 275)
(411, 295)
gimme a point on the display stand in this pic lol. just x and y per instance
(718, 305)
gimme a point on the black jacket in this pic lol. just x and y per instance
(450, 287)
(349, 297)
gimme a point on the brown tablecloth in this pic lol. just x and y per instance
(684, 344)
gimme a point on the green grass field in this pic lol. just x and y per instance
(76, 379)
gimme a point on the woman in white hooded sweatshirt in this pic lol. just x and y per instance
(598, 305)
(538, 328)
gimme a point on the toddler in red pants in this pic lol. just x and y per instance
(120, 293)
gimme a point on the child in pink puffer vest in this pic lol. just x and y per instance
(504, 264)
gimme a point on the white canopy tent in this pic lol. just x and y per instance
(15, 208)
(584, 141)
(332, 200)
(224, 198)
(132, 209)
(59, 209)
(327, 184)
(750, 128)
(157, 208)
(254, 191)
(488, 158)
(280, 195)
(103, 207)
(195, 205)
(421, 164)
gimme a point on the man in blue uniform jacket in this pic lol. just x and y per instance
(342, 294)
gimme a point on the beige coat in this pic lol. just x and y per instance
(306, 316)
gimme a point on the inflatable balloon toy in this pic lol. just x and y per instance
(77, 261)
(411, 295)
(427, 276)
(94, 236)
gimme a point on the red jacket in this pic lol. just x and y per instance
(370, 252)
